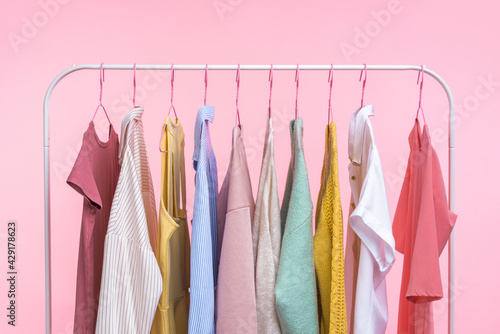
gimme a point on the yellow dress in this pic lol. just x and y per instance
(173, 253)
(328, 243)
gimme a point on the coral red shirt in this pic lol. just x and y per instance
(422, 226)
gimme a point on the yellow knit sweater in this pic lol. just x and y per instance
(328, 243)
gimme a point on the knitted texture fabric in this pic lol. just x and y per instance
(328, 243)
(296, 296)
(266, 232)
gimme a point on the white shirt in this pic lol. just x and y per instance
(370, 246)
(131, 282)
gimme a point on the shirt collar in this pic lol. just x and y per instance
(356, 132)
(419, 138)
(205, 113)
(133, 114)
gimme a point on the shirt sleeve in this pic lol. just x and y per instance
(445, 219)
(433, 229)
(81, 178)
(371, 218)
(401, 215)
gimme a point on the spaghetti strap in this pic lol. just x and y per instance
(182, 171)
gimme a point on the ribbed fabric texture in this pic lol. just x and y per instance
(266, 234)
(131, 280)
(204, 228)
(236, 310)
(296, 284)
(173, 252)
(328, 243)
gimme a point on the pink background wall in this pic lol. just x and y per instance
(459, 40)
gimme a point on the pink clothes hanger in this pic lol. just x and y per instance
(206, 84)
(271, 78)
(237, 120)
(135, 106)
(420, 94)
(297, 92)
(364, 84)
(172, 95)
(170, 109)
(101, 79)
(330, 80)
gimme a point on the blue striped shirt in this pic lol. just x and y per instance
(204, 228)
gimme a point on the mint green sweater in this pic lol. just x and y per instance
(296, 283)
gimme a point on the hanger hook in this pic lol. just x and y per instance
(172, 93)
(101, 80)
(330, 80)
(297, 91)
(238, 121)
(134, 85)
(206, 84)
(271, 78)
(421, 80)
(364, 84)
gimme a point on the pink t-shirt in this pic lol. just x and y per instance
(94, 176)
(422, 226)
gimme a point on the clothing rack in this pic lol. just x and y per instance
(75, 68)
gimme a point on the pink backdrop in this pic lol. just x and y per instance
(459, 40)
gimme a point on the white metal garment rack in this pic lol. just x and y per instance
(46, 150)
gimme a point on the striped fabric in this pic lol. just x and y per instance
(131, 281)
(204, 228)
